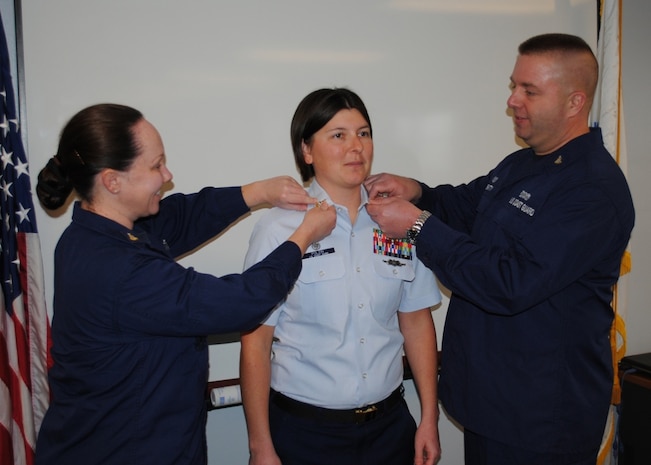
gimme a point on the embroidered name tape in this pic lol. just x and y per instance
(318, 253)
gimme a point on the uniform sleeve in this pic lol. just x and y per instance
(455, 206)
(264, 239)
(577, 234)
(422, 292)
(161, 297)
(185, 221)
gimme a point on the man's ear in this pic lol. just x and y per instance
(111, 180)
(576, 102)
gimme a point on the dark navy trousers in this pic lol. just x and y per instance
(387, 440)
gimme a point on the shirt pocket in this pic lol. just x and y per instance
(321, 297)
(505, 220)
(392, 274)
(321, 269)
(394, 268)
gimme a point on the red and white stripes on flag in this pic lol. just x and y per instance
(24, 325)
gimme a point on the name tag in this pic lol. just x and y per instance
(318, 253)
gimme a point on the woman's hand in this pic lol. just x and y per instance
(317, 224)
(281, 191)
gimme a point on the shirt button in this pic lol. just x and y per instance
(321, 274)
(362, 340)
(360, 306)
(364, 375)
(395, 271)
(358, 269)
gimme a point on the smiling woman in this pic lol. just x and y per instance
(139, 189)
(130, 323)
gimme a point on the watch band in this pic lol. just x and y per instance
(414, 231)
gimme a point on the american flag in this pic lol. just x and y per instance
(24, 326)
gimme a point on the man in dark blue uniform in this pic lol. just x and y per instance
(531, 252)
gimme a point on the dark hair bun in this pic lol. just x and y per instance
(53, 186)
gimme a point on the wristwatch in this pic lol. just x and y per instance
(414, 231)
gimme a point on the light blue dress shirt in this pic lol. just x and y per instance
(337, 342)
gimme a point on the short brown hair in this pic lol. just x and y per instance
(314, 112)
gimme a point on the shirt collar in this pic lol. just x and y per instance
(572, 150)
(106, 226)
(316, 191)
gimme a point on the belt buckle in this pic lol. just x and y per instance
(364, 414)
(366, 410)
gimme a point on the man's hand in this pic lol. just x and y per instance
(393, 214)
(390, 185)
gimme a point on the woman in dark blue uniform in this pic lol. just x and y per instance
(129, 324)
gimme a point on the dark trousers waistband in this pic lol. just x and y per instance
(356, 415)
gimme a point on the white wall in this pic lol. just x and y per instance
(7, 9)
(221, 79)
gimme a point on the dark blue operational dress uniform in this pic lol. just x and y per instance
(531, 252)
(130, 358)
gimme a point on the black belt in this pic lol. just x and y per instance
(355, 415)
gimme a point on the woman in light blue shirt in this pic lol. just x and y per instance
(322, 376)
